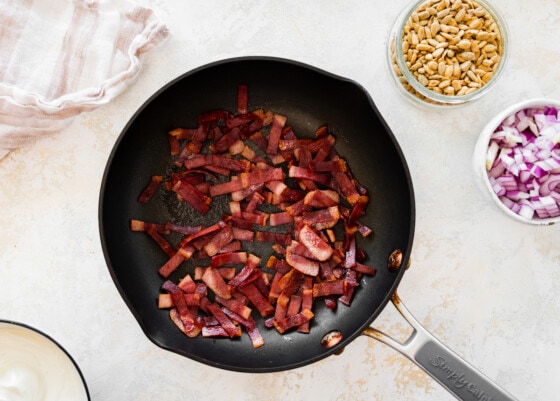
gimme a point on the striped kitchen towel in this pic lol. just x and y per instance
(59, 58)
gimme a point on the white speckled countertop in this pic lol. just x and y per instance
(485, 285)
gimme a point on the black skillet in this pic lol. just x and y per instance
(310, 98)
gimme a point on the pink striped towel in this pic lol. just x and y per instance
(59, 58)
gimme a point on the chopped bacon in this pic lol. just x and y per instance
(302, 264)
(293, 321)
(277, 219)
(297, 195)
(231, 329)
(246, 180)
(278, 122)
(268, 236)
(324, 288)
(262, 304)
(187, 284)
(150, 189)
(322, 198)
(214, 280)
(182, 229)
(183, 253)
(242, 99)
(162, 242)
(220, 239)
(230, 258)
(195, 198)
(315, 244)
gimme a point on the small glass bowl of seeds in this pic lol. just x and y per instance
(447, 52)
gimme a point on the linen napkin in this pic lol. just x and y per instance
(59, 58)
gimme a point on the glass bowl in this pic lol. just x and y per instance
(442, 55)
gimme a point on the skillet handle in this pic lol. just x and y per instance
(460, 378)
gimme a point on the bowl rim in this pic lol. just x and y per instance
(479, 156)
(49, 338)
(435, 99)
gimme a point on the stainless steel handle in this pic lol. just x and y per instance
(460, 378)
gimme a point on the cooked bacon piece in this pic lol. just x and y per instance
(215, 331)
(278, 238)
(166, 300)
(184, 313)
(236, 306)
(242, 234)
(324, 288)
(256, 200)
(277, 219)
(194, 145)
(258, 217)
(176, 319)
(358, 210)
(350, 256)
(150, 189)
(298, 208)
(162, 242)
(231, 329)
(278, 122)
(306, 301)
(217, 161)
(259, 140)
(214, 280)
(248, 274)
(346, 186)
(174, 145)
(328, 166)
(361, 268)
(293, 321)
(228, 139)
(208, 230)
(242, 99)
(258, 300)
(290, 283)
(195, 198)
(302, 264)
(230, 258)
(315, 244)
(322, 218)
(308, 174)
(299, 249)
(279, 265)
(246, 180)
(183, 253)
(139, 225)
(187, 284)
(220, 238)
(186, 230)
(322, 198)
(213, 116)
(250, 325)
(294, 305)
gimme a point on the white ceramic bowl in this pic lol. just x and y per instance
(480, 152)
(34, 367)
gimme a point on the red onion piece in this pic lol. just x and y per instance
(523, 162)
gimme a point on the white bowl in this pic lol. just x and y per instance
(480, 151)
(35, 367)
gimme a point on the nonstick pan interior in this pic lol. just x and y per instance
(309, 98)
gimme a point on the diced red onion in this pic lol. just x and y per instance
(523, 162)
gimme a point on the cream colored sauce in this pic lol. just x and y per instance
(32, 368)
